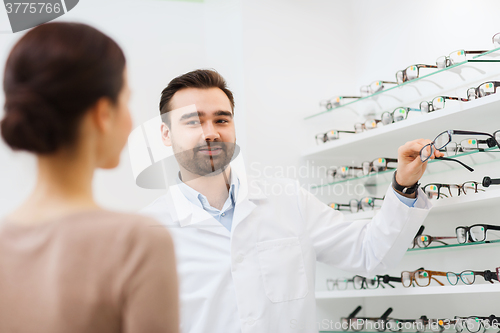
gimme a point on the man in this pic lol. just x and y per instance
(246, 250)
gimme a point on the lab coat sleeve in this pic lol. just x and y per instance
(363, 246)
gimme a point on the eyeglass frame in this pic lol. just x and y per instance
(431, 103)
(460, 187)
(336, 104)
(468, 236)
(387, 161)
(431, 273)
(447, 58)
(325, 135)
(391, 113)
(405, 75)
(487, 276)
(371, 91)
(476, 95)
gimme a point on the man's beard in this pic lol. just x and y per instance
(202, 164)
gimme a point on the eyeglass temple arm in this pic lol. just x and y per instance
(391, 82)
(487, 275)
(451, 159)
(346, 131)
(355, 312)
(386, 314)
(474, 52)
(460, 132)
(420, 231)
(426, 66)
(456, 98)
(437, 274)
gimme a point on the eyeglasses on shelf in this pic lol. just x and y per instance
(474, 233)
(411, 72)
(359, 323)
(438, 103)
(335, 102)
(361, 282)
(421, 277)
(378, 165)
(340, 284)
(396, 115)
(435, 191)
(329, 136)
(367, 125)
(484, 89)
(354, 206)
(343, 172)
(474, 324)
(422, 241)
(467, 145)
(454, 58)
(374, 87)
(469, 277)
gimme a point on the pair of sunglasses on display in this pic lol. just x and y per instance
(445, 138)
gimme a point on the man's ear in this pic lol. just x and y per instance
(165, 135)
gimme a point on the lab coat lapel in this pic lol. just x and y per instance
(188, 214)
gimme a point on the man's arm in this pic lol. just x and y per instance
(366, 246)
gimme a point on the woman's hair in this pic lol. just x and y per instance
(53, 75)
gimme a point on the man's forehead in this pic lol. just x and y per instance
(193, 111)
(205, 99)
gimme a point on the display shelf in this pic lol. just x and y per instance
(428, 85)
(472, 159)
(401, 291)
(476, 115)
(430, 248)
(483, 200)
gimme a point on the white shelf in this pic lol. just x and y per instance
(465, 202)
(477, 115)
(401, 291)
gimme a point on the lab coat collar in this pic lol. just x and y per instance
(188, 214)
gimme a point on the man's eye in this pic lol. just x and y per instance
(193, 122)
(223, 120)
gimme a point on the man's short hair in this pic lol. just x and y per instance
(200, 78)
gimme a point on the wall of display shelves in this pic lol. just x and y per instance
(453, 77)
(480, 114)
(400, 291)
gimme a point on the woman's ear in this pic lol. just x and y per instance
(102, 114)
(165, 135)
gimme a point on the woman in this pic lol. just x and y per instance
(67, 265)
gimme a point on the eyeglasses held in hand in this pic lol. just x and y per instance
(474, 233)
(411, 72)
(374, 87)
(340, 284)
(396, 115)
(485, 89)
(438, 103)
(378, 165)
(435, 191)
(454, 58)
(421, 277)
(329, 136)
(335, 102)
(444, 138)
(469, 277)
(367, 125)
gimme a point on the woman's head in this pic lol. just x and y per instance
(65, 83)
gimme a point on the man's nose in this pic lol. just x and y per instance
(210, 132)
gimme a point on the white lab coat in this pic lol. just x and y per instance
(259, 278)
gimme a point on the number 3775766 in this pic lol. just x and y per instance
(33, 7)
